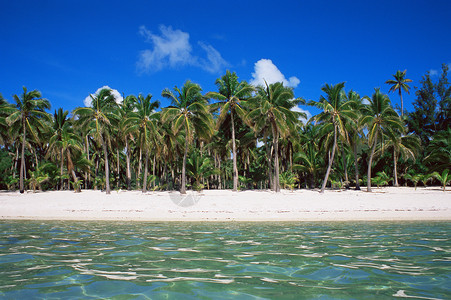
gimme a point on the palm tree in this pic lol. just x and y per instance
(4, 108)
(232, 96)
(444, 178)
(336, 109)
(100, 117)
(381, 120)
(189, 113)
(199, 167)
(59, 126)
(355, 132)
(399, 83)
(30, 114)
(309, 159)
(272, 106)
(439, 151)
(125, 109)
(144, 121)
(403, 146)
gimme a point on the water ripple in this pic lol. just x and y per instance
(215, 260)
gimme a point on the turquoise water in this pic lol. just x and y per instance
(91, 260)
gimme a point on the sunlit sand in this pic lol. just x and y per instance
(223, 205)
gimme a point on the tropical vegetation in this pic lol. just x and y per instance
(238, 137)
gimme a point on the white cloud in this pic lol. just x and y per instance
(172, 49)
(300, 110)
(214, 62)
(115, 93)
(265, 70)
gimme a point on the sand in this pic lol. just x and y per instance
(391, 204)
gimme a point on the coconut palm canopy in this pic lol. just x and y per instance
(239, 137)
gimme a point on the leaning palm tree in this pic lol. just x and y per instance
(100, 117)
(381, 120)
(144, 121)
(29, 114)
(232, 96)
(189, 114)
(399, 83)
(336, 109)
(272, 106)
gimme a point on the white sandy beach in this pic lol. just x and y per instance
(212, 205)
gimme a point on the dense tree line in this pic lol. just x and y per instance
(238, 137)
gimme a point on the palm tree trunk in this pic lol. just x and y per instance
(22, 160)
(276, 160)
(219, 176)
(153, 170)
(138, 179)
(183, 187)
(88, 177)
(269, 152)
(16, 160)
(368, 181)
(107, 170)
(70, 168)
(402, 104)
(331, 160)
(129, 174)
(395, 168)
(345, 166)
(146, 165)
(118, 167)
(357, 185)
(61, 170)
(235, 169)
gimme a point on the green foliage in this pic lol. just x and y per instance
(399, 83)
(6, 163)
(439, 151)
(76, 185)
(432, 107)
(36, 178)
(199, 167)
(444, 178)
(381, 179)
(288, 180)
(244, 182)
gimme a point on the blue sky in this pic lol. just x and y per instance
(69, 49)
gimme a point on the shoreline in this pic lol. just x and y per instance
(383, 204)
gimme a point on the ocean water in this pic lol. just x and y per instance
(139, 260)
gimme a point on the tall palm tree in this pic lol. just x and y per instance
(399, 83)
(336, 109)
(144, 121)
(30, 115)
(272, 105)
(381, 120)
(189, 113)
(60, 125)
(100, 117)
(308, 159)
(232, 96)
(355, 131)
(126, 132)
